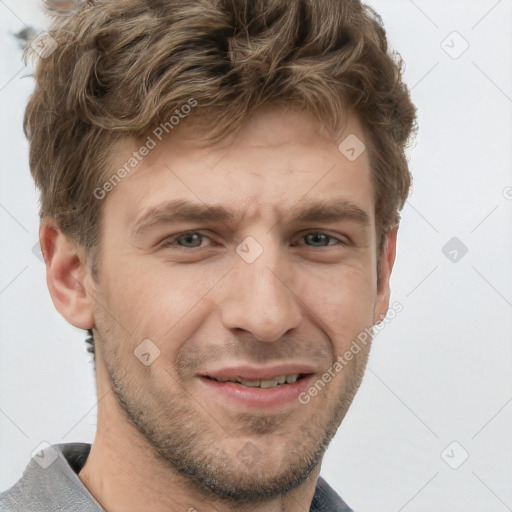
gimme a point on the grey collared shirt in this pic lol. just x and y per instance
(50, 483)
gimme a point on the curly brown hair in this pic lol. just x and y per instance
(121, 68)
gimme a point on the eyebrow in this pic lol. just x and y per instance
(330, 211)
(180, 210)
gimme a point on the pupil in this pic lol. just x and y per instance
(189, 239)
(317, 238)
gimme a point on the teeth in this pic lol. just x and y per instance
(264, 384)
(250, 383)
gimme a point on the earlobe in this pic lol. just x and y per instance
(66, 274)
(387, 261)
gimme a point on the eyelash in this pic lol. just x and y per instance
(171, 241)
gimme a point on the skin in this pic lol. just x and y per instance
(164, 442)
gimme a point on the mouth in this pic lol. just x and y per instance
(280, 380)
(280, 391)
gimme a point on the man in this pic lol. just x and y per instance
(221, 183)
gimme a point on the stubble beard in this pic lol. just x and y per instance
(182, 439)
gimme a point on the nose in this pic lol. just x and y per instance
(258, 299)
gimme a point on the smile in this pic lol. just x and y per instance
(278, 392)
(263, 384)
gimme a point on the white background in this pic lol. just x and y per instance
(439, 372)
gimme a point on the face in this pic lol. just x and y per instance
(253, 260)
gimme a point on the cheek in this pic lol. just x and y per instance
(341, 299)
(161, 300)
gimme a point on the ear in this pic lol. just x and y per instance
(66, 275)
(387, 260)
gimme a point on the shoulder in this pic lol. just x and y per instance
(50, 482)
(326, 499)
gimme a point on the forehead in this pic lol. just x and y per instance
(275, 163)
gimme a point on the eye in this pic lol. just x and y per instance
(188, 240)
(319, 239)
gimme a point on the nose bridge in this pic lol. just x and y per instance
(258, 298)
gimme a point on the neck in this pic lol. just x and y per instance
(123, 475)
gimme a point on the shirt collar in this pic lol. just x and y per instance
(51, 482)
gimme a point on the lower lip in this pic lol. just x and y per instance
(258, 397)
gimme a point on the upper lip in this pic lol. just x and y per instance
(258, 373)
